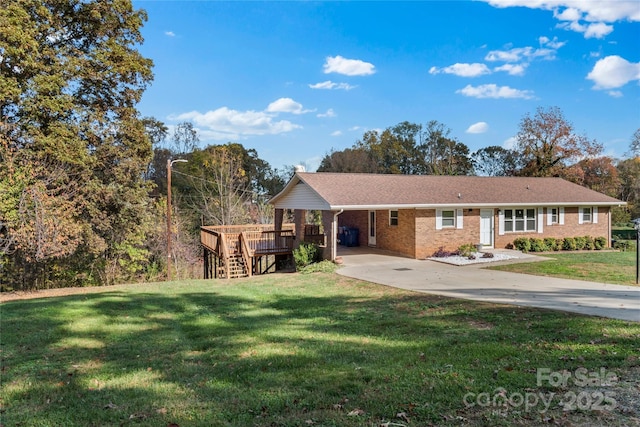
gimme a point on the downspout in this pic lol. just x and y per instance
(334, 232)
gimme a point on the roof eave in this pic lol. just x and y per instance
(469, 205)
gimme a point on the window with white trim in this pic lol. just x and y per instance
(519, 220)
(448, 218)
(586, 215)
(555, 215)
(393, 218)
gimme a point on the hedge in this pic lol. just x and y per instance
(535, 244)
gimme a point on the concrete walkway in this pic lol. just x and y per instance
(475, 283)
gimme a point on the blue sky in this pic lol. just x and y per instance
(295, 80)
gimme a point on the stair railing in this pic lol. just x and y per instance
(247, 253)
(224, 254)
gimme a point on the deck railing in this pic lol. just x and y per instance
(248, 241)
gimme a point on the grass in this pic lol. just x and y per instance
(292, 350)
(602, 267)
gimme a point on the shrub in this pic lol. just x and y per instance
(537, 245)
(442, 253)
(569, 244)
(325, 266)
(466, 250)
(622, 245)
(599, 243)
(589, 243)
(580, 243)
(305, 254)
(551, 243)
(522, 244)
(559, 243)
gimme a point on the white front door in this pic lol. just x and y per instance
(486, 227)
(372, 228)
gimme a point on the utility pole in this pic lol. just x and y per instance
(169, 164)
(636, 225)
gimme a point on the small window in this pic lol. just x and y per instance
(448, 218)
(554, 216)
(586, 215)
(393, 218)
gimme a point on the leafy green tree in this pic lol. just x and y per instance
(629, 173)
(74, 150)
(634, 147)
(494, 161)
(349, 160)
(185, 138)
(441, 154)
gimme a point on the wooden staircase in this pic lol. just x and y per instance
(236, 267)
(236, 251)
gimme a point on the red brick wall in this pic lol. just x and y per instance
(399, 238)
(429, 240)
(570, 228)
(416, 235)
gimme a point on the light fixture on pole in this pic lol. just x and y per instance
(636, 225)
(169, 164)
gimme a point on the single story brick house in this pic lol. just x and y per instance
(415, 215)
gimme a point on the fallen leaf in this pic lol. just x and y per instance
(110, 406)
(161, 411)
(355, 413)
(402, 416)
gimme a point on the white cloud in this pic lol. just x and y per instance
(462, 70)
(225, 123)
(615, 93)
(329, 113)
(513, 69)
(494, 91)
(590, 18)
(480, 127)
(553, 44)
(569, 14)
(510, 143)
(613, 72)
(336, 133)
(331, 85)
(169, 33)
(286, 105)
(519, 54)
(348, 67)
(595, 30)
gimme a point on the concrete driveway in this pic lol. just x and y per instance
(475, 283)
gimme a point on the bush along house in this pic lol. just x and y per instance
(415, 215)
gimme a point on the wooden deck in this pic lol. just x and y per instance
(238, 250)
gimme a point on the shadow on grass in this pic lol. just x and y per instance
(270, 355)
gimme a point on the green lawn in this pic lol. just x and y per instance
(297, 350)
(595, 266)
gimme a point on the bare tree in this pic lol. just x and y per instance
(548, 144)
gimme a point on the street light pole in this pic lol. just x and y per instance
(169, 164)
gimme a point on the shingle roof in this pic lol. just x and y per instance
(349, 191)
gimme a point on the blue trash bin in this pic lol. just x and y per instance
(351, 237)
